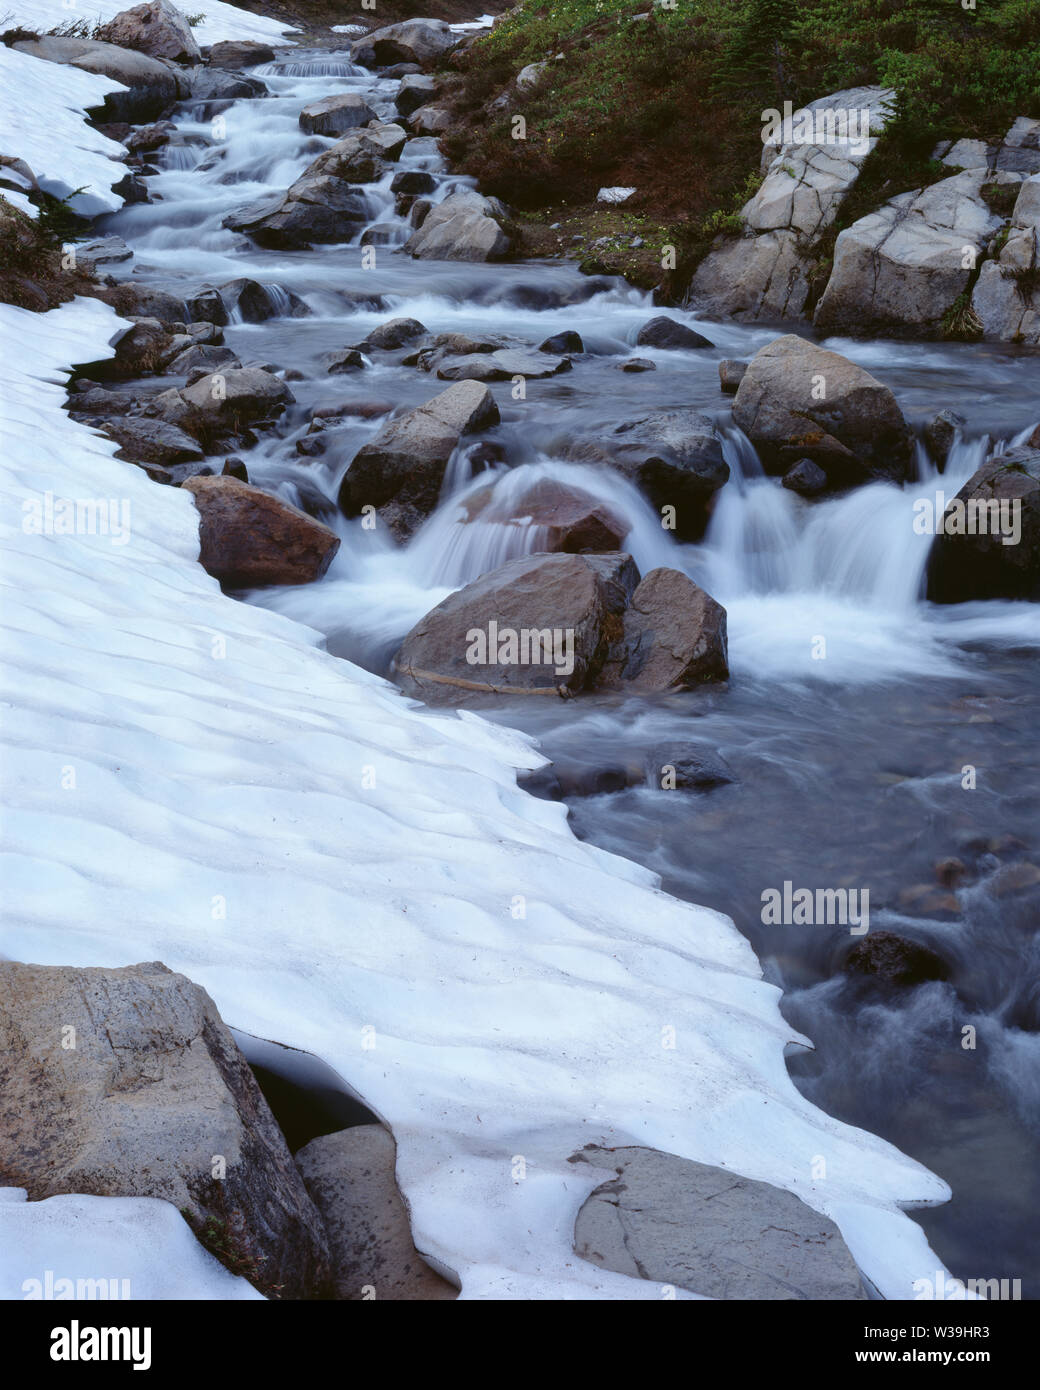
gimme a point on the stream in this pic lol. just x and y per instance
(848, 769)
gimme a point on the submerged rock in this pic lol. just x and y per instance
(890, 959)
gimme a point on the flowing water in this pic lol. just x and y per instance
(849, 766)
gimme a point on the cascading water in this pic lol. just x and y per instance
(854, 706)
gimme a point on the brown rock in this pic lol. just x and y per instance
(248, 538)
(674, 635)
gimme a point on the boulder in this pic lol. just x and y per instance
(900, 270)
(411, 41)
(141, 350)
(1006, 297)
(413, 181)
(559, 343)
(940, 432)
(892, 960)
(225, 402)
(156, 28)
(315, 209)
(363, 156)
(663, 332)
(687, 767)
(461, 228)
(337, 114)
(253, 302)
(142, 440)
(153, 1090)
(208, 356)
(674, 636)
(731, 374)
(540, 625)
(568, 519)
(501, 365)
(351, 1180)
(415, 91)
(404, 464)
(990, 543)
(395, 333)
(207, 307)
(806, 478)
(209, 84)
(430, 120)
(348, 360)
(152, 84)
(637, 364)
(240, 53)
(530, 76)
(797, 400)
(103, 251)
(674, 457)
(707, 1229)
(248, 539)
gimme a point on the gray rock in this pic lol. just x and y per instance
(663, 332)
(731, 374)
(709, 1230)
(350, 1178)
(501, 365)
(637, 364)
(205, 355)
(109, 250)
(349, 360)
(395, 333)
(152, 84)
(674, 636)
(207, 307)
(940, 432)
(687, 767)
(337, 114)
(153, 1092)
(806, 478)
(151, 441)
(240, 53)
(411, 41)
(212, 84)
(430, 120)
(363, 156)
(228, 400)
(1006, 298)
(317, 208)
(256, 303)
(559, 343)
(415, 91)
(156, 28)
(963, 566)
(461, 228)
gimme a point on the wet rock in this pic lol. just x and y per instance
(141, 350)
(694, 1226)
(663, 332)
(351, 1180)
(560, 343)
(208, 306)
(893, 960)
(414, 92)
(1001, 504)
(430, 120)
(337, 114)
(349, 360)
(379, 234)
(223, 403)
(806, 478)
(240, 53)
(413, 181)
(501, 365)
(207, 356)
(405, 462)
(444, 345)
(418, 212)
(411, 41)
(104, 251)
(570, 520)
(637, 364)
(363, 156)
(568, 605)
(235, 467)
(249, 539)
(88, 399)
(797, 400)
(731, 374)
(687, 767)
(940, 433)
(461, 228)
(674, 636)
(151, 441)
(157, 28)
(152, 84)
(154, 1088)
(132, 189)
(395, 333)
(315, 209)
(1006, 297)
(256, 303)
(209, 85)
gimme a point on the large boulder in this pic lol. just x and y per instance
(673, 456)
(567, 519)
(209, 84)
(350, 1177)
(337, 114)
(900, 270)
(125, 1082)
(809, 169)
(230, 400)
(142, 440)
(153, 85)
(403, 466)
(461, 228)
(674, 636)
(415, 91)
(540, 625)
(1006, 298)
(156, 28)
(412, 41)
(989, 546)
(363, 156)
(240, 53)
(707, 1229)
(797, 400)
(248, 539)
(315, 209)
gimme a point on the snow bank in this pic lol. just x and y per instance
(41, 121)
(192, 780)
(106, 1247)
(221, 21)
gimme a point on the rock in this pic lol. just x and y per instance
(687, 767)
(156, 28)
(152, 85)
(414, 92)
(1006, 297)
(430, 120)
(674, 456)
(337, 114)
(240, 53)
(210, 84)
(663, 332)
(153, 1089)
(208, 307)
(88, 399)
(806, 478)
(395, 333)
(139, 351)
(413, 181)
(893, 960)
(444, 345)
(559, 343)
(351, 1180)
(900, 270)
(404, 464)
(349, 360)
(229, 400)
(637, 364)
(418, 212)
(151, 441)
(248, 539)
(530, 76)
(315, 209)
(461, 228)
(569, 520)
(363, 156)
(731, 374)
(614, 195)
(674, 635)
(855, 433)
(412, 41)
(205, 355)
(379, 234)
(109, 250)
(149, 138)
(694, 1226)
(567, 605)
(501, 365)
(1001, 502)
(940, 433)
(256, 303)
(235, 468)
(764, 272)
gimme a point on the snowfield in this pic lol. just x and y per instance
(193, 780)
(221, 21)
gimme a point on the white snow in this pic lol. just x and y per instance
(221, 21)
(41, 121)
(350, 29)
(105, 1241)
(191, 779)
(484, 21)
